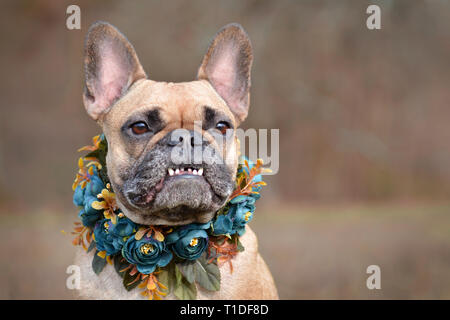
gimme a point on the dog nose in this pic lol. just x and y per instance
(184, 137)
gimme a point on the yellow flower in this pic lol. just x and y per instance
(146, 248)
(108, 204)
(194, 242)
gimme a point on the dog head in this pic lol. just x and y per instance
(172, 151)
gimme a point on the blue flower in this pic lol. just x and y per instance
(78, 196)
(190, 241)
(92, 189)
(95, 186)
(223, 225)
(88, 220)
(112, 237)
(89, 215)
(121, 231)
(103, 237)
(240, 212)
(146, 253)
(83, 197)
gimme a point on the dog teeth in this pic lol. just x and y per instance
(179, 171)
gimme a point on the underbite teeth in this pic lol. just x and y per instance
(181, 171)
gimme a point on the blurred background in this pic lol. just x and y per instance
(364, 137)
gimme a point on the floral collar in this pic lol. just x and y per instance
(159, 259)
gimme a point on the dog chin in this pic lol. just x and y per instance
(180, 201)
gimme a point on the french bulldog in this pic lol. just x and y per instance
(139, 117)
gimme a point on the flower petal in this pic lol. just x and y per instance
(99, 205)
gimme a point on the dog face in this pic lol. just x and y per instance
(171, 159)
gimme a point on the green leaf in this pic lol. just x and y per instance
(119, 264)
(178, 276)
(207, 275)
(223, 210)
(98, 263)
(104, 175)
(185, 290)
(93, 154)
(100, 154)
(187, 268)
(91, 246)
(163, 278)
(171, 276)
(177, 283)
(240, 247)
(128, 281)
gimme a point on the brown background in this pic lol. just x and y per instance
(363, 116)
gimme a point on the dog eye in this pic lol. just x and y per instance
(222, 126)
(139, 128)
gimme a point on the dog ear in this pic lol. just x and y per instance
(111, 66)
(227, 66)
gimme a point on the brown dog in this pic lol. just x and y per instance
(139, 116)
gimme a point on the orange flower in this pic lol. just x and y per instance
(149, 282)
(82, 234)
(224, 252)
(84, 173)
(96, 141)
(157, 233)
(244, 181)
(153, 288)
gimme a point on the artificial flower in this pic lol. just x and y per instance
(85, 172)
(84, 197)
(146, 253)
(89, 219)
(122, 231)
(223, 225)
(108, 204)
(96, 144)
(190, 241)
(147, 248)
(78, 196)
(241, 212)
(103, 237)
